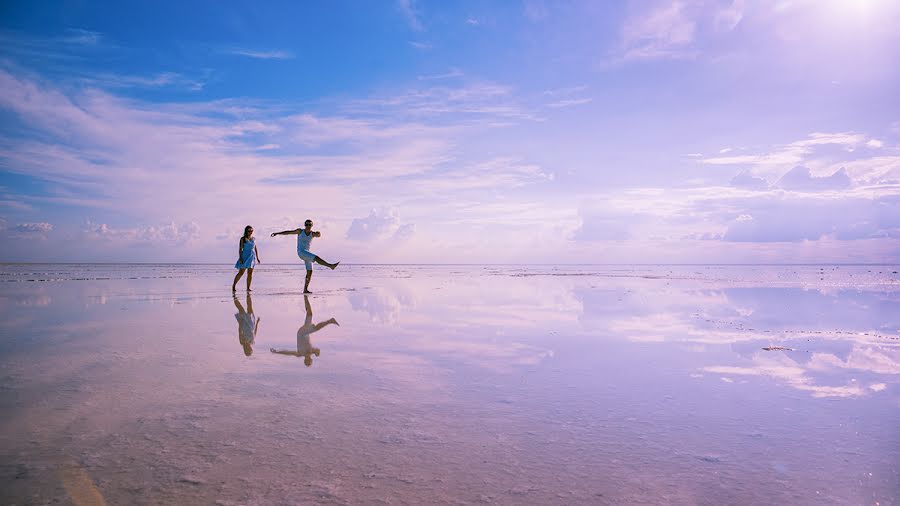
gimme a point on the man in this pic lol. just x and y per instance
(305, 348)
(304, 238)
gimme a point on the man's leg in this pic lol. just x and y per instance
(326, 264)
(308, 278)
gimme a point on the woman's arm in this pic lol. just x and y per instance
(287, 232)
(256, 250)
(241, 249)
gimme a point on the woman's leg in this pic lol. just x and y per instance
(236, 278)
(249, 277)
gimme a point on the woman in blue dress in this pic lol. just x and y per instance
(248, 257)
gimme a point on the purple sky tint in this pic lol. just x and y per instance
(645, 131)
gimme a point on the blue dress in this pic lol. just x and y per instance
(248, 255)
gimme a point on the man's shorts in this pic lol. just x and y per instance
(307, 258)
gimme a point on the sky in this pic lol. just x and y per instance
(658, 131)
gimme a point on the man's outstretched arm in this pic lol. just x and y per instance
(287, 232)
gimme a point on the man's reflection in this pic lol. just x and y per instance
(248, 324)
(305, 349)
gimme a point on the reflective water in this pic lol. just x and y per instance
(451, 384)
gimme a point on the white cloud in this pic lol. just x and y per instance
(178, 233)
(874, 143)
(276, 54)
(37, 230)
(728, 17)
(665, 31)
(410, 11)
(379, 224)
(452, 73)
(801, 179)
(570, 102)
(83, 37)
(745, 179)
(33, 228)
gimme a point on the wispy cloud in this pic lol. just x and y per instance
(669, 29)
(409, 9)
(570, 102)
(451, 74)
(776, 161)
(263, 54)
(80, 36)
(421, 46)
(160, 80)
(666, 31)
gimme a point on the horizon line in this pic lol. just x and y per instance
(477, 264)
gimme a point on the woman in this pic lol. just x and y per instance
(248, 256)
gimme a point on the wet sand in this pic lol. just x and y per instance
(450, 384)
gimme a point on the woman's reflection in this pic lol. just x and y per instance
(248, 324)
(305, 349)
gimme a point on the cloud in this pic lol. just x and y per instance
(82, 37)
(421, 46)
(410, 11)
(748, 181)
(874, 143)
(570, 102)
(665, 31)
(472, 21)
(597, 225)
(38, 230)
(379, 224)
(787, 218)
(801, 179)
(178, 233)
(405, 232)
(728, 17)
(33, 228)
(263, 54)
(160, 80)
(792, 153)
(451, 74)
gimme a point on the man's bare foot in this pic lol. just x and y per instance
(249, 289)
(306, 291)
(334, 265)
(233, 289)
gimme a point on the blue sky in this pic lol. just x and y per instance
(532, 132)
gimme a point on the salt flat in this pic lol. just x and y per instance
(145, 384)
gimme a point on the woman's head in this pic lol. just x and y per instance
(248, 231)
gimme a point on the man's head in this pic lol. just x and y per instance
(308, 224)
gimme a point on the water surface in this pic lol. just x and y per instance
(151, 384)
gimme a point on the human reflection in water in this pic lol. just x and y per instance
(305, 349)
(248, 324)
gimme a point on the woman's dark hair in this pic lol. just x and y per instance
(246, 229)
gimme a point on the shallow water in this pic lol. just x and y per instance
(450, 384)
